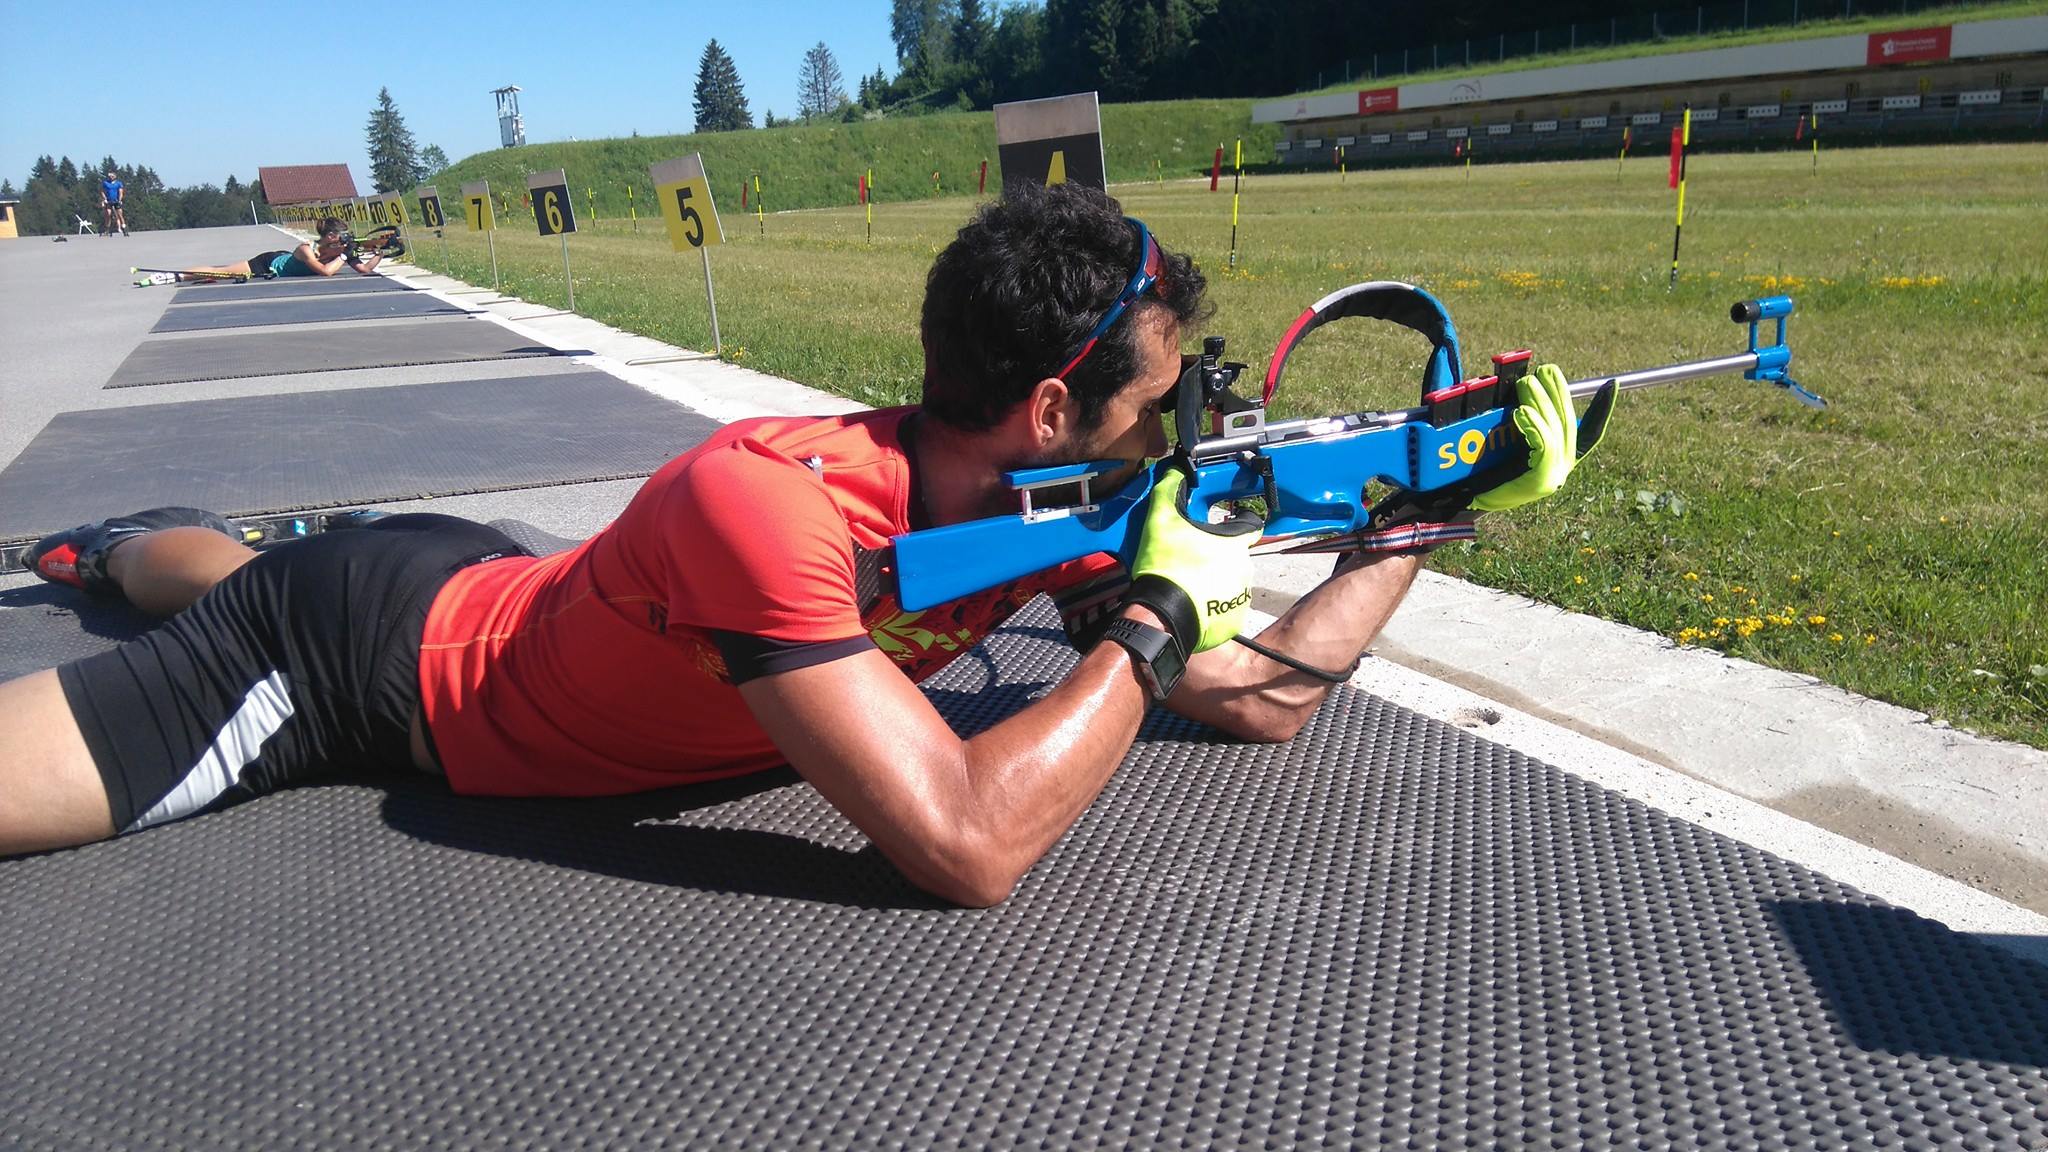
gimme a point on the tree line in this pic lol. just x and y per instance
(967, 54)
(59, 191)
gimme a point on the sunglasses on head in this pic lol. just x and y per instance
(1151, 263)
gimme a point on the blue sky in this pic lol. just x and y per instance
(200, 90)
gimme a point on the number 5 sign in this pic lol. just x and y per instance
(684, 196)
(552, 210)
(685, 199)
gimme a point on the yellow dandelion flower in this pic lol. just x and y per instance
(1869, 638)
(1816, 619)
(1587, 551)
(1616, 588)
(1720, 621)
(1795, 577)
(1692, 575)
(1738, 589)
(1578, 579)
(1836, 535)
(1836, 637)
(1706, 597)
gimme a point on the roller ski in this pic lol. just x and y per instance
(153, 276)
(78, 557)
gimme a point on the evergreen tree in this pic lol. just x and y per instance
(820, 89)
(970, 31)
(232, 186)
(67, 173)
(394, 160)
(721, 101)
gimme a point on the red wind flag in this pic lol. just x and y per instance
(743, 194)
(1627, 134)
(1216, 168)
(863, 188)
(1677, 154)
(981, 184)
(1799, 130)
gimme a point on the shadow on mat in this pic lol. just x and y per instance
(1899, 983)
(642, 838)
(109, 619)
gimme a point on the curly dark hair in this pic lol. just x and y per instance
(1019, 288)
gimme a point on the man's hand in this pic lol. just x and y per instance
(1196, 577)
(1550, 425)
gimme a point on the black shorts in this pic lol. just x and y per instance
(301, 663)
(259, 264)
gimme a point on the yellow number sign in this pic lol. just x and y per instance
(430, 211)
(680, 207)
(476, 207)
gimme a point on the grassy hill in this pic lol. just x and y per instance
(817, 165)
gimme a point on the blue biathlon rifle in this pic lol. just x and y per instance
(1311, 473)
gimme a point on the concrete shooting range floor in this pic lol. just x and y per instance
(1388, 931)
(354, 446)
(321, 349)
(308, 310)
(284, 288)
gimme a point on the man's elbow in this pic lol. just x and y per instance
(970, 871)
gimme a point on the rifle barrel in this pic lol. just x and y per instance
(1669, 374)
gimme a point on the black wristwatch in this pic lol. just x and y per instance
(1157, 654)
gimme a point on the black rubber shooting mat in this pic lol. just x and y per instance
(260, 353)
(282, 453)
(314, 310)
(1384, 933)
(285, 288)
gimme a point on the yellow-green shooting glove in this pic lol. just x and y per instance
(1556, 436)
(1195, 577)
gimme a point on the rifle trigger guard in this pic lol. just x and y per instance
(1262, 464)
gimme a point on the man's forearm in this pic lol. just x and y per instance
(1033, 774)
(1248, 695)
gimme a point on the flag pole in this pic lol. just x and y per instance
(1682, 142)
(1236, 180)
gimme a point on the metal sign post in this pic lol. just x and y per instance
(683, 194)
(554, 213)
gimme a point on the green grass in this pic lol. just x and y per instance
(1771, 34)
(817, 165)
(1912, 516)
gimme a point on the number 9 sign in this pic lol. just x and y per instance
(684, 196)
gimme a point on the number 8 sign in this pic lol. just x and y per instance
(684, 196)
(553, 211)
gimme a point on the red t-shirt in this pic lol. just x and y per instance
(604, 669)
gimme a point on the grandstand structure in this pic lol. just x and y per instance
(1983, 77)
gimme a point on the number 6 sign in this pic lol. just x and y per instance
(552, 210)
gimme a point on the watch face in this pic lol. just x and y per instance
(1154, 652)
